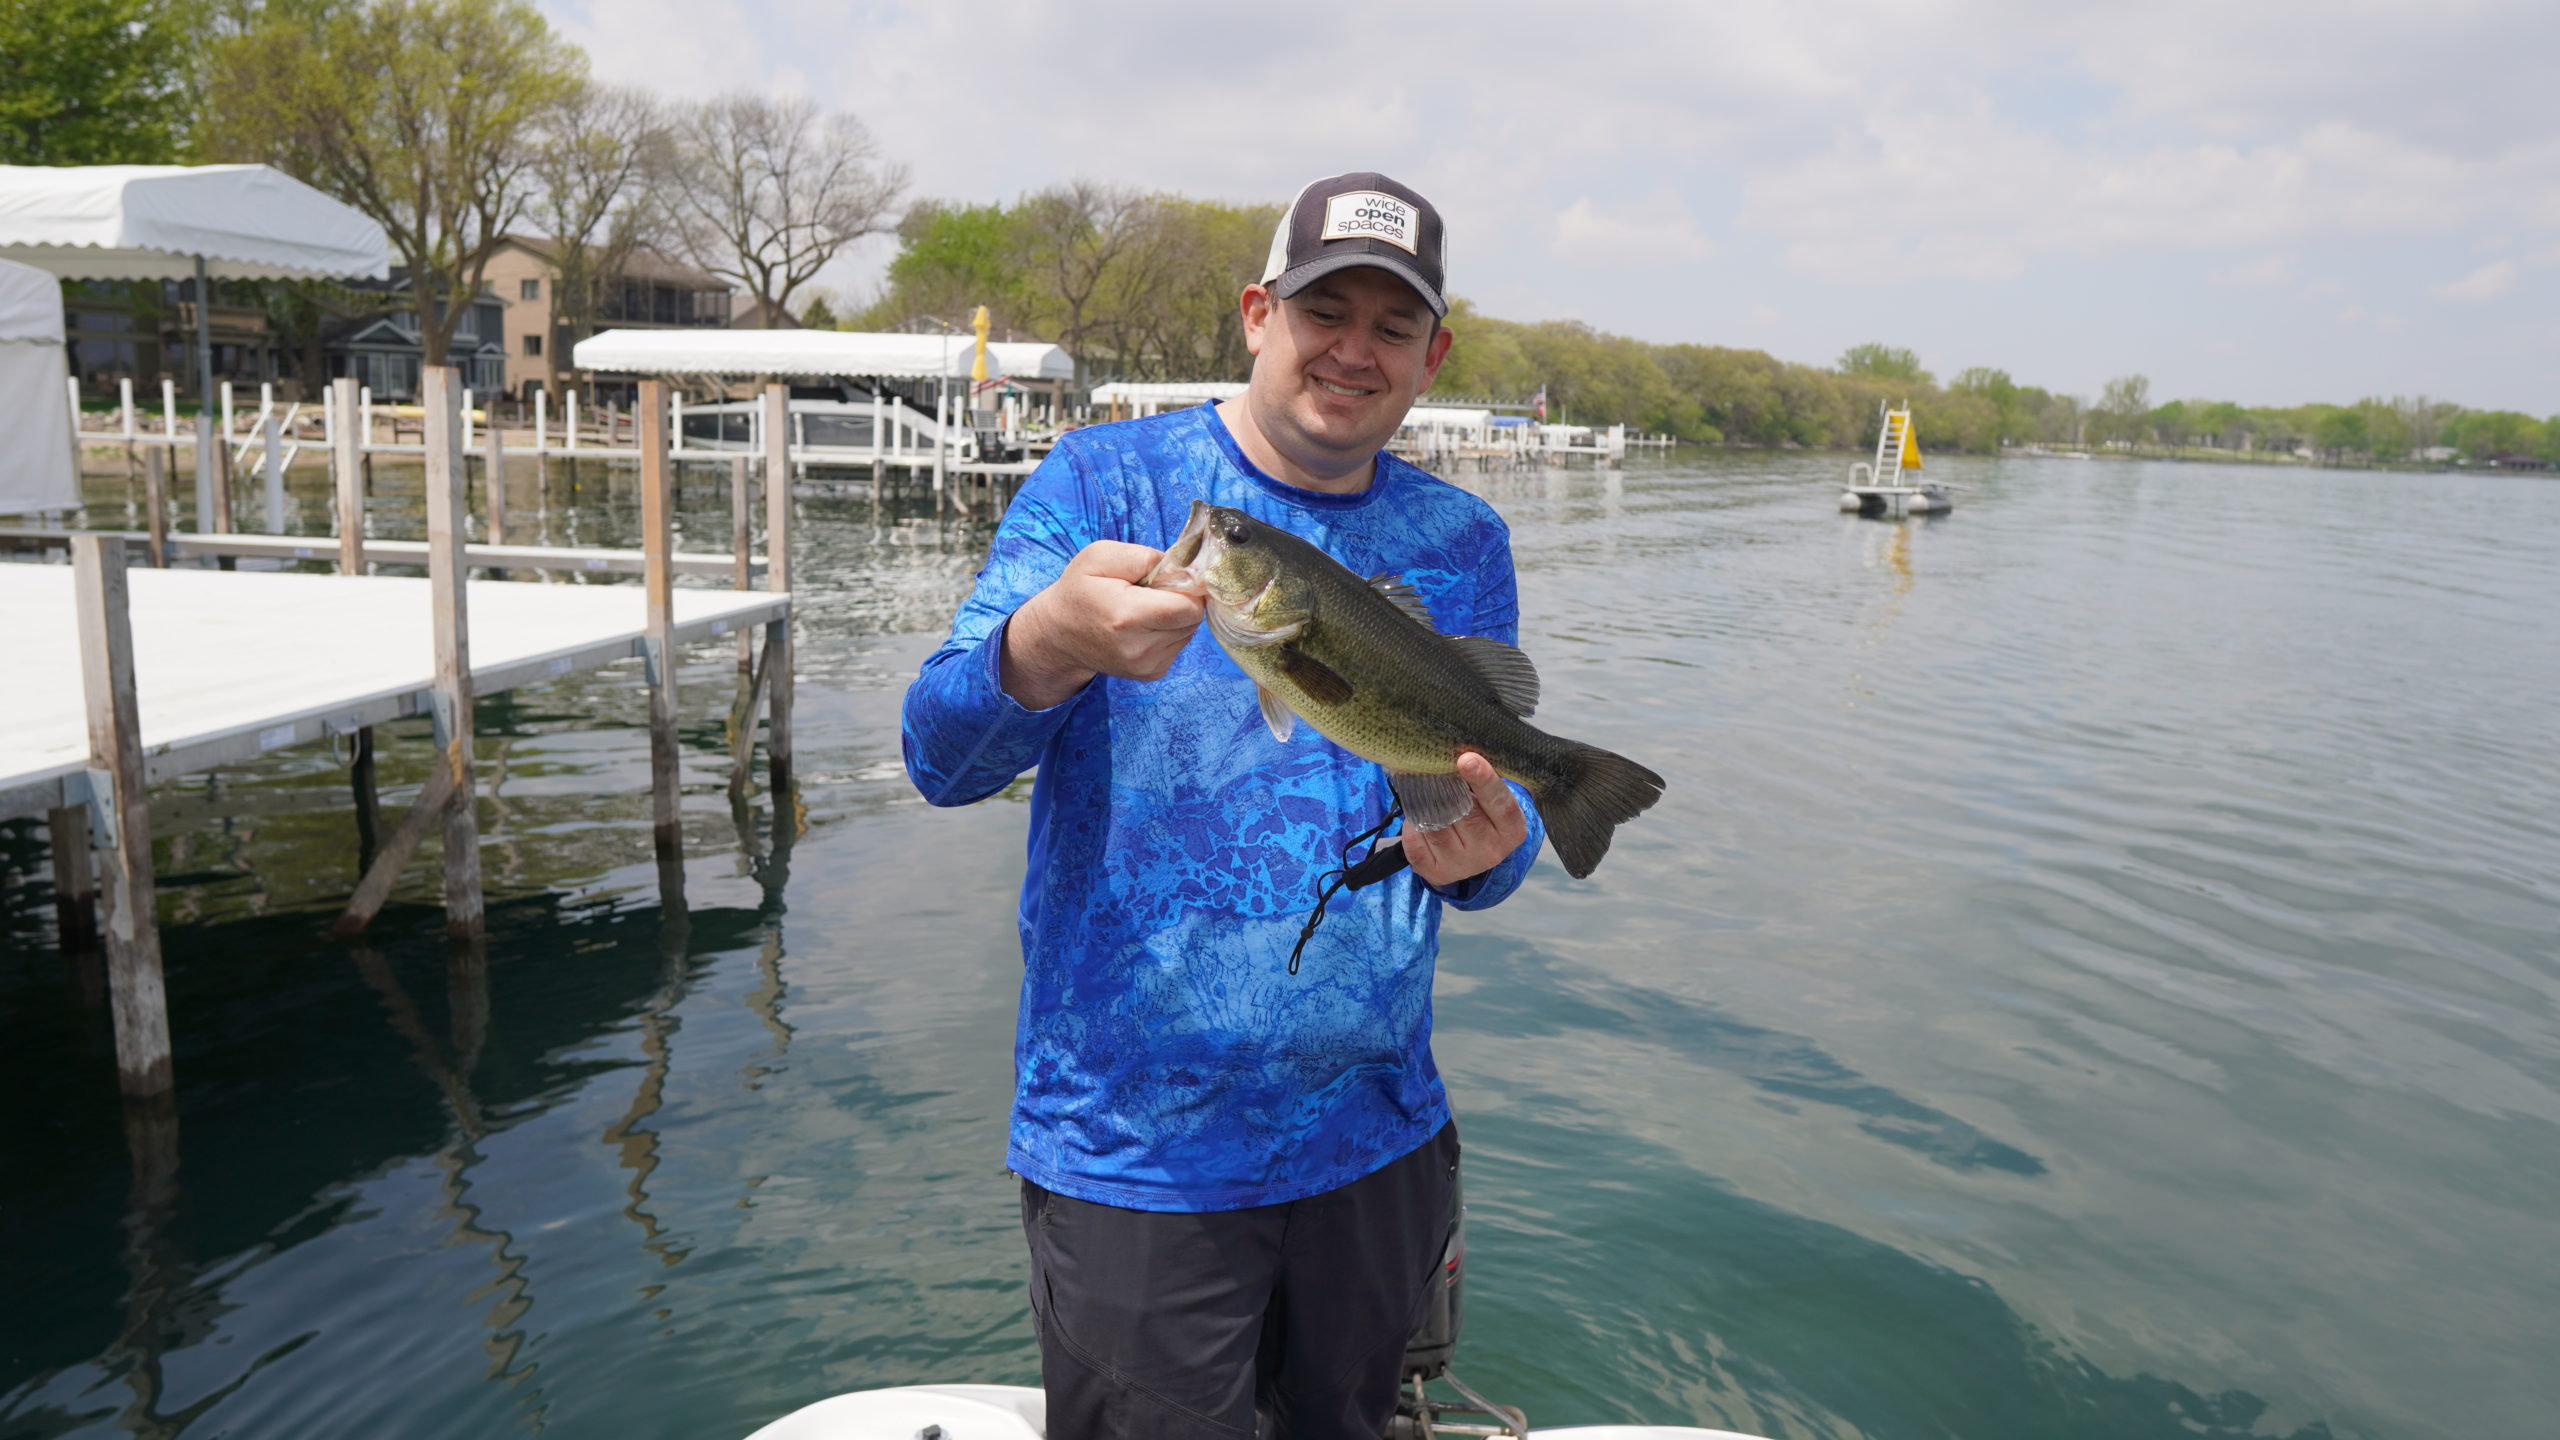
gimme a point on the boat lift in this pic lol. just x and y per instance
(1882, 488)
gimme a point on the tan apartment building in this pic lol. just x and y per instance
(653, 292)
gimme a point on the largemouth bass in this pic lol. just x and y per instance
(1361, 662)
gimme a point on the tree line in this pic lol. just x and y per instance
(454, 123)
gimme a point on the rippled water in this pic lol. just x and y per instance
(2092, 975)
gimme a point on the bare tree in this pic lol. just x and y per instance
(416, 112)
(1078, 236)
(594, 198)
(766, 192)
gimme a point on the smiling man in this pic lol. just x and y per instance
(1236, 1180)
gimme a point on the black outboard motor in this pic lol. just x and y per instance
(1426, 1355)
(1434, 1344)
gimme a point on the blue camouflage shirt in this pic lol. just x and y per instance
(1166, 1059)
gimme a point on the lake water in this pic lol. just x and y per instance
(2093, 974)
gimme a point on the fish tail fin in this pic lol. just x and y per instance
(1593, 793)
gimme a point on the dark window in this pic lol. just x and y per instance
(533, 347)
(530, 290)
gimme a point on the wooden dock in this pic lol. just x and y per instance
(122, 676)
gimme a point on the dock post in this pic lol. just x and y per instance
(346, 464)
(448, 526)
(121, 801)
(742, 528)
(271, 468)
(657, 543)
(219, 522)
(493, 467)
(155, 496)
(75, 881)
(777, 578)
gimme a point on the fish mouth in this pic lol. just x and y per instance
(1175, 570)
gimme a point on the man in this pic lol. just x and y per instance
(1235, 1181)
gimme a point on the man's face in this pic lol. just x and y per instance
(1337, 365)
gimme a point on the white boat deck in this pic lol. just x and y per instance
(231, 665)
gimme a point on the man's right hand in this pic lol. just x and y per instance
(1095, 619)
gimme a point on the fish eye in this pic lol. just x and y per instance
(1236, 533)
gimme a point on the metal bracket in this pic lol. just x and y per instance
(102, 808)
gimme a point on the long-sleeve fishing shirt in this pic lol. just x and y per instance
(1166, 1058)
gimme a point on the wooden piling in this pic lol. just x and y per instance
(220, 520)
(657, 543)
(742, 546)
(448, 524)
(120, 795)
(777, 578)
(493, 466)
(346, 464)
(155, 497)
(75, 883)
(271, 471)
(347, 469)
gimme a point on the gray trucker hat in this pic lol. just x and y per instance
(1362, 218)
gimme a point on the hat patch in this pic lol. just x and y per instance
(1370, 214)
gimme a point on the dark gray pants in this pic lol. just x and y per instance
(1178, 1326)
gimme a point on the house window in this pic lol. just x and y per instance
(529, 290)
(533, 346)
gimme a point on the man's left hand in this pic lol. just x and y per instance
(1483, 838)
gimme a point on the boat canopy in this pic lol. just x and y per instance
(1443, 417)
(848, 353)
(1166, 393)
(151, 222)
(35, 407)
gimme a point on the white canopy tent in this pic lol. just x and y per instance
(35, 409)
(815, 352)
(175, 222)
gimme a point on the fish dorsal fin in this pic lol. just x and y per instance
(1405, 598)
(1514, 679)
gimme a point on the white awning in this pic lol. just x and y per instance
(814, 352)
(35, 408)
(1161, 393)
(30, 305)
(149, 222)
(1442, 417)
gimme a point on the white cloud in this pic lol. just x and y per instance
(2265, 270)
(1660, 231)
(1972, 195)
(2486, 283)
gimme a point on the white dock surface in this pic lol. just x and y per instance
(229, 665)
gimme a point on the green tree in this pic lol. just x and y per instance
(1883, 362)
(426, 115)
(93, 82)
(2340, 432)
(2220, 423)
(2173, 423)
(2123, 411)
(818, 314)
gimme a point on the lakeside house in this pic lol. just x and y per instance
(513, 339)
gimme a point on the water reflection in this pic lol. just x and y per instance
(2156, 1040)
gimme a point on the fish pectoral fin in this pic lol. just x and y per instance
(1514, 679)
(1322, 683)
(1406, 599)
(1237, 633)
(1276, 713)
(1432, 802)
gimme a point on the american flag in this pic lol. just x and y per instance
(1538, 402)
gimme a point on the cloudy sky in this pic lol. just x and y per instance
(2269, 201)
